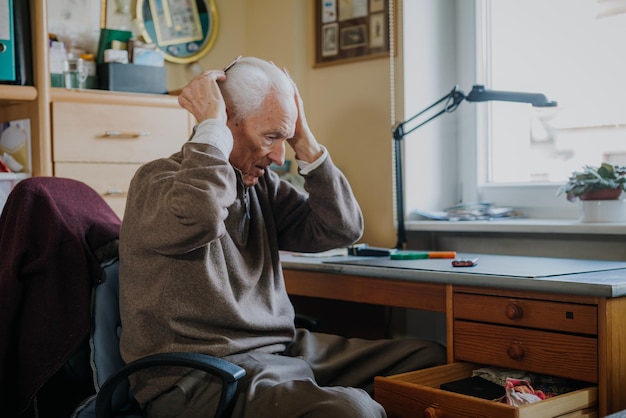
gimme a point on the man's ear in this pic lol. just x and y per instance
(230, 119)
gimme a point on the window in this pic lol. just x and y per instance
(561, 48)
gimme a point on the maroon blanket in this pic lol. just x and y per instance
(49, 229)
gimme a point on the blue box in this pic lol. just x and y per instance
(132, 78)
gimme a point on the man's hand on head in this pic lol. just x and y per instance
(203, 98)
(303, 141)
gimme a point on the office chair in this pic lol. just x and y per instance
(59, 313)
(111, 374)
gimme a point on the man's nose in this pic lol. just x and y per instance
(277, 153)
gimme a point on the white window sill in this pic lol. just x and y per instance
(534, 226)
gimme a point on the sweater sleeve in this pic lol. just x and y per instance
(327, 217)
(213, 133)
(180, 203)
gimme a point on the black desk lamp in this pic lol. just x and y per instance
(453, 100)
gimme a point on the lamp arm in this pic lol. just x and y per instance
(453, 99)
(480, 94)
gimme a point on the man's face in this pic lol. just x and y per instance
(259, 140)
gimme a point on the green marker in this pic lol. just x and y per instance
(409, 255)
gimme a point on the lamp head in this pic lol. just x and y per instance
(480, 94)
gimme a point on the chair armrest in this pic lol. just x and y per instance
(228, 372)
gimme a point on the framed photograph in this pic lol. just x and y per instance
(351, 30)
(330, 40)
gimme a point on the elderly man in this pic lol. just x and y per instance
(200, 268)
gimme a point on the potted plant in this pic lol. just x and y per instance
(595, 183)
(598, 189)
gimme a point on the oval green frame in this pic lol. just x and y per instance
(180, 48)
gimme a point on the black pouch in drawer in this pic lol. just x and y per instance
(475, 386)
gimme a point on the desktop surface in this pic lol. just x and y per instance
(574, 276)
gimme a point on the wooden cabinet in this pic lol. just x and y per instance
(536, 335)
(542, 333)
(101, 139)
(31, 102)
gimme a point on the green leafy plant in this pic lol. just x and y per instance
(605, 177)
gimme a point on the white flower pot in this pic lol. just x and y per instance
(602, 211)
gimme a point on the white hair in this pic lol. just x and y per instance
(249, 82)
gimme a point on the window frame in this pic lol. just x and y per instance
(434, 182)
(534, 200)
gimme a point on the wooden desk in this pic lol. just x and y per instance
(542, 285)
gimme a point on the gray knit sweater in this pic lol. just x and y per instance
(199, 256)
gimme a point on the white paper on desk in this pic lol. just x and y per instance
(330, 253)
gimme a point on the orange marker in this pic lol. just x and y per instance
(441, 254)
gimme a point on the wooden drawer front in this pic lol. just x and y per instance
(111, 181)
(417, 394)
(551, 353)
(86, 132)
(541, 314)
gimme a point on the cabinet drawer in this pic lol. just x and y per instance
(417, 394)
(541, 314)
(564, 355)
(111, 181)
(88, 132)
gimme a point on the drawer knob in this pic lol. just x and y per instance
(114, 192)
(120, 134)
(430, 412)
(514, 312)
(515, 351)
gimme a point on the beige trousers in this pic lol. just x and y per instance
(319, 375)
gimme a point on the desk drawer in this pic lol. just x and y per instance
(111, 181)
(417, 394)
(541, 314)
(98, 132)
(552, 353)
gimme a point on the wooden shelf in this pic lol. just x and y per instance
(35, 102)
(16, 94)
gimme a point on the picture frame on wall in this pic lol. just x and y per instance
(351, 30)
(193, 33)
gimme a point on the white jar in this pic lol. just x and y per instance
(613, 211)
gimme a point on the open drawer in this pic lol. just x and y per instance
(417, 394)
